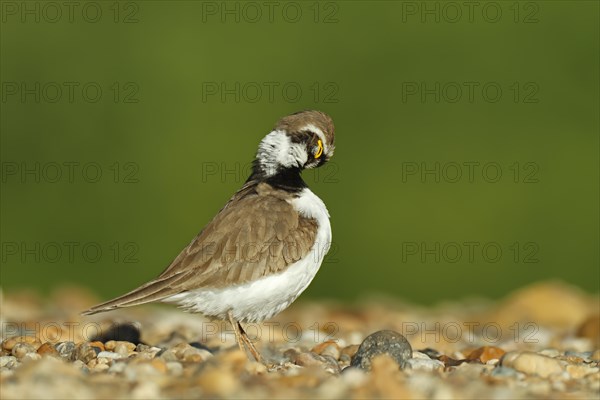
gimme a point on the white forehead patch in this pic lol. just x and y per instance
(277, 150)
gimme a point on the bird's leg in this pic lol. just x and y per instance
(238, 336)
(250, 345)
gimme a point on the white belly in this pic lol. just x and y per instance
(266, 297)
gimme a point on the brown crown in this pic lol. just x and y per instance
(296, 122)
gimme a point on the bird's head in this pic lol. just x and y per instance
(299, 141)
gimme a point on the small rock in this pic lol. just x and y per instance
(8, 361)
(100, 367)
(124, 348)
(581, 371)
(181, 348)
(93, 364)
(10, 343)
(581, 354)
(84, 352)
(329, 347)
(345, 359)
(550, 353)
(349, 350)
(423, 364)
(47, 349)
(449, 361)
(387, 342)
(571, 359)
(168, 355)
(65, 349)
(310, 359)
(79, 365)
(486, 353)
(422, 356)
(193, 354)
(142, 348)
(331, 364)
(110, 355)
(21, 349)
(470, 371)
(97, 344)
(142, 371)
(532, 364)
(117, 367)
(596, 355)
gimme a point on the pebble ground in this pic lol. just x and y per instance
(541, 341)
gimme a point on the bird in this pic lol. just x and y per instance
(264, 247)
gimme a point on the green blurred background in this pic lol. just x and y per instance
(180, 115)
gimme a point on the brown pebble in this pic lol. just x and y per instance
(486, 353)
(21, 349)
(84, 352)
(10, 343)
(180, 349)
(101, 367)
(350, 350)
(193, 354)
(590, 328)
(127, 346)
(100, 345)
(311, 359)
(329, 347)
(449, 361)
(308, 359)
(47, 349)
(121, 349)
(110, 345)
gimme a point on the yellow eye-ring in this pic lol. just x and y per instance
(320, 149)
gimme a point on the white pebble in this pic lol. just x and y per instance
(111, 355)
(425, 365)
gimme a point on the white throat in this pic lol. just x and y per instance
(277, 151)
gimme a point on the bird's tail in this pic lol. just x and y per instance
(155, 290)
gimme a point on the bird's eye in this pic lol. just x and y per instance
(319, 151)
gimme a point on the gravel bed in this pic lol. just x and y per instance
(541, 341)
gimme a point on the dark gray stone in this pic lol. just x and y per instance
(386, 342)
(65, 349)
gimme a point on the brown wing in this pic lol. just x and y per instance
(257, 233)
